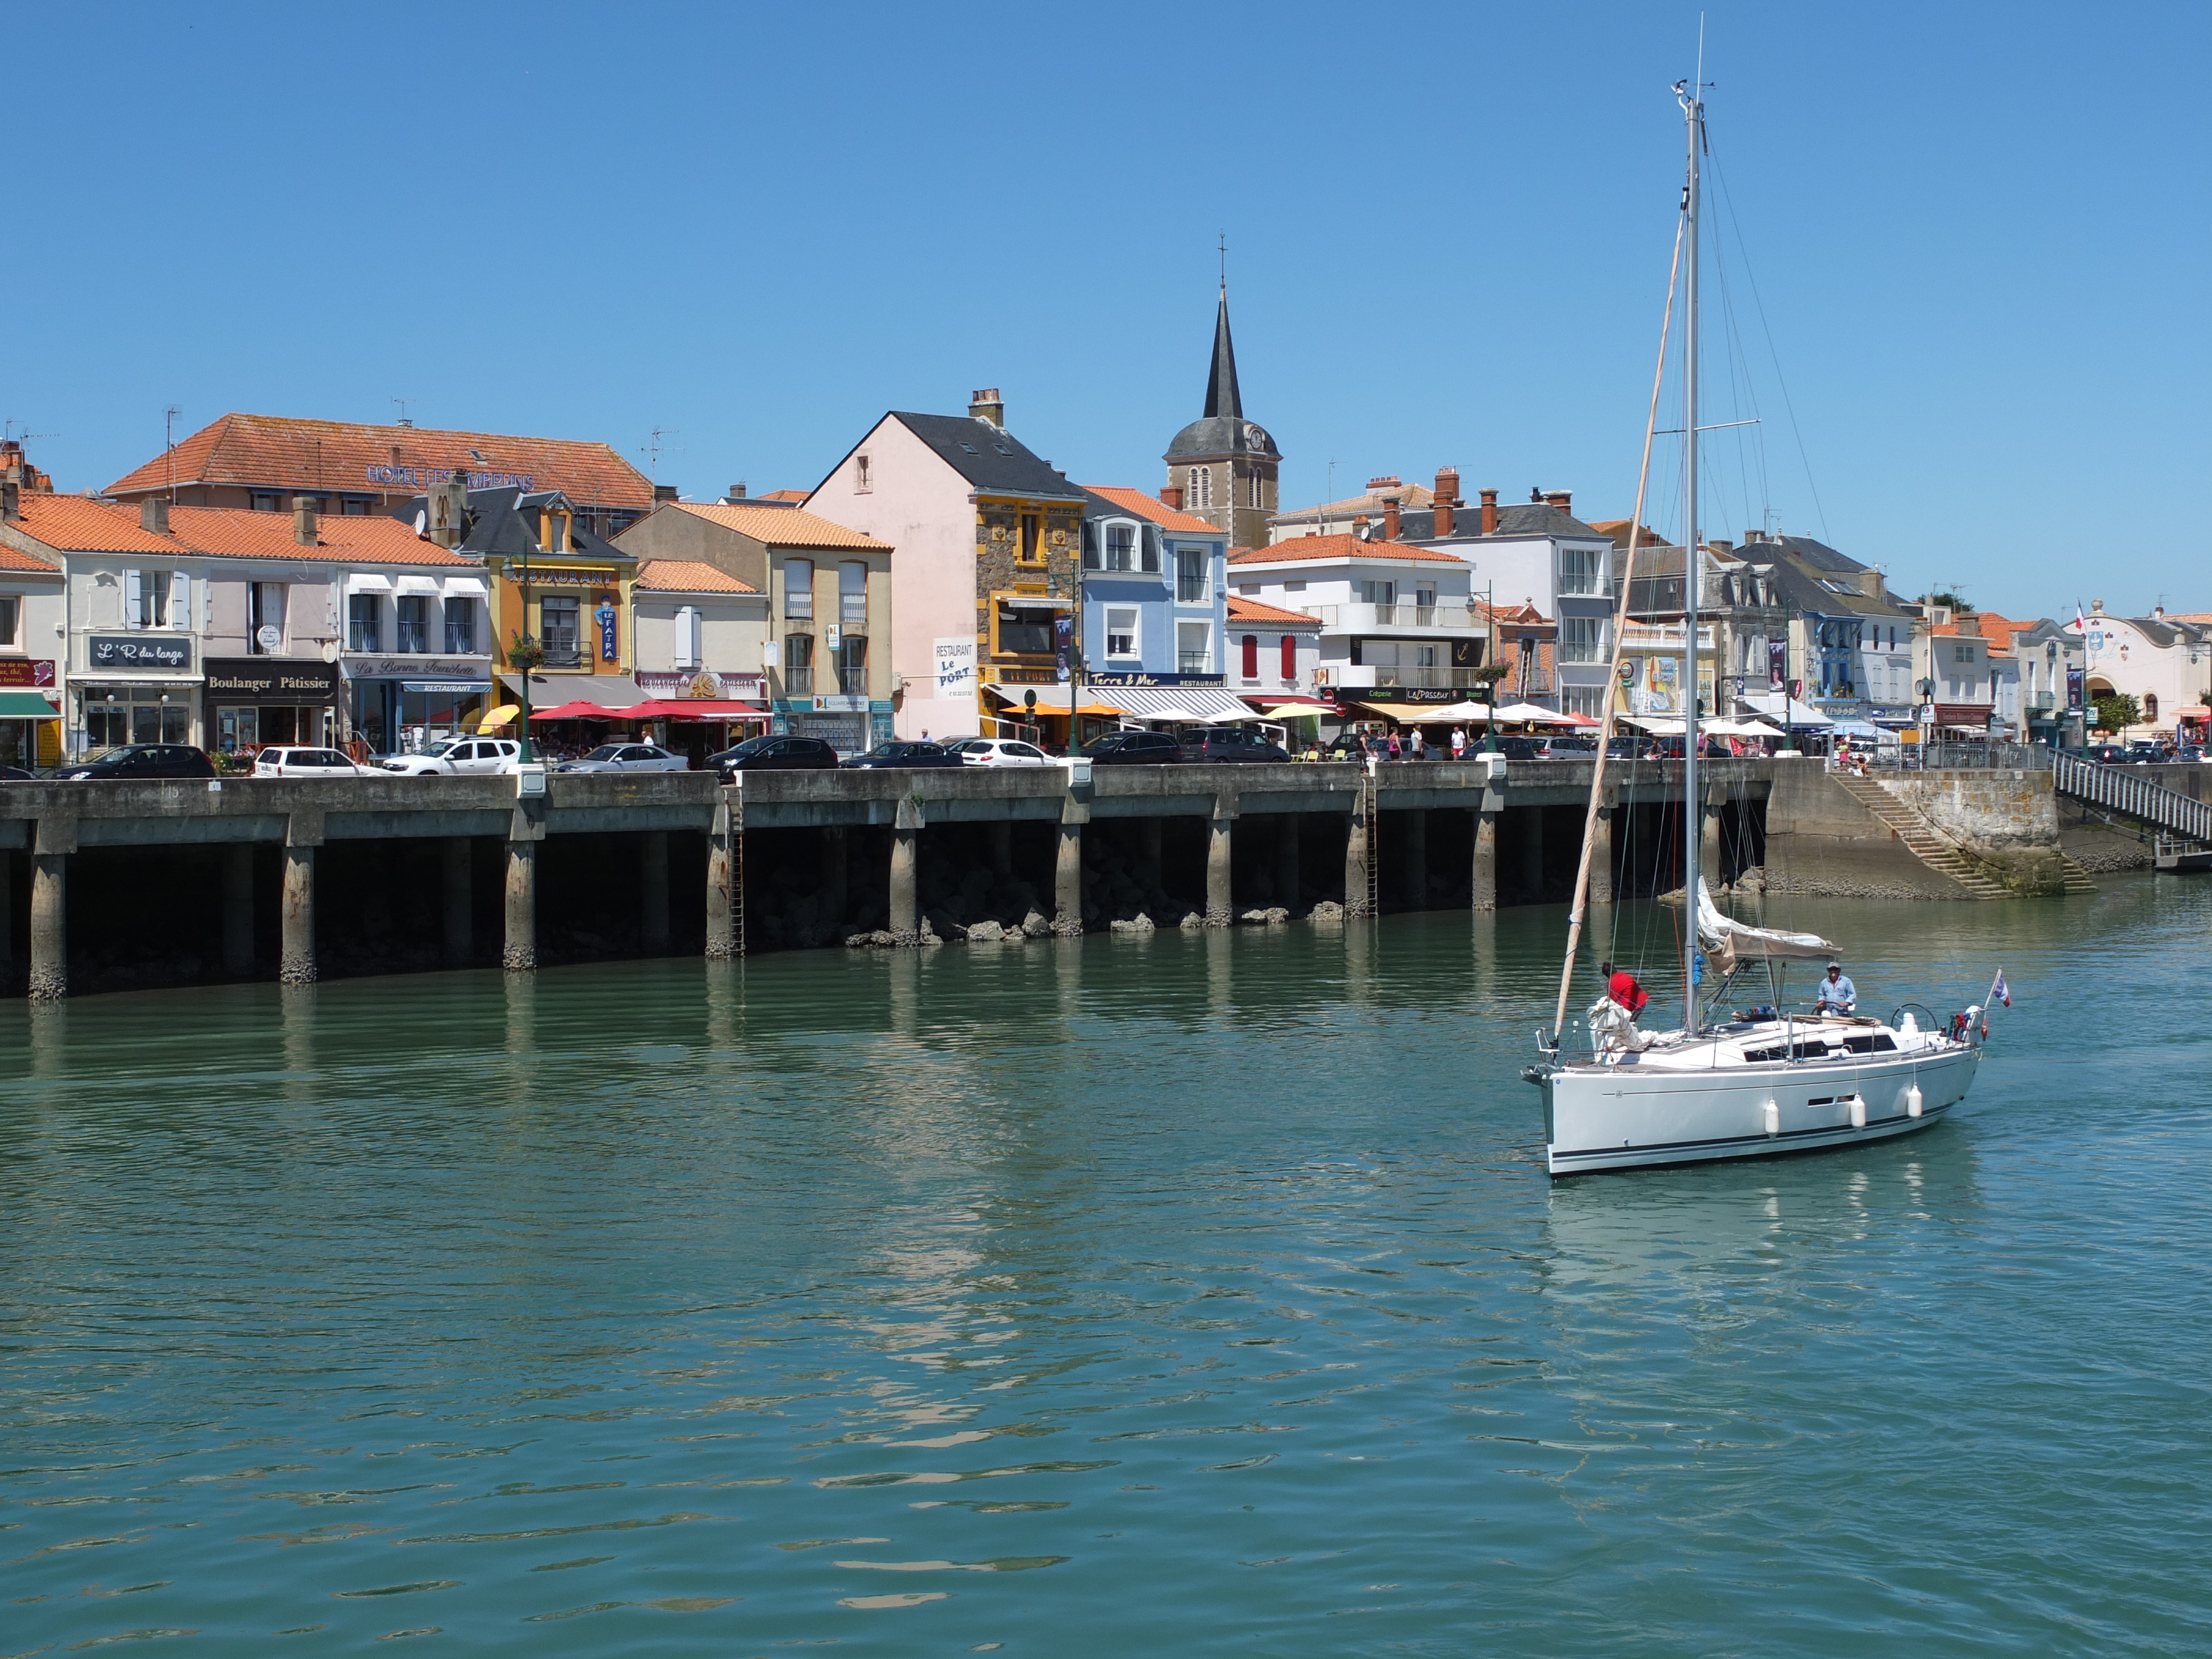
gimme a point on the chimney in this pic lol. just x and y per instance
(449, 508)
(663, 493)
(10, 501)
(154, 516)
(1720, 546)
(988, 405)
(1870, 581)
(1969, 625)
(1490, 512)
(737, 492)
(1390, 517)
(1562, 499)
(1173, 496)
(2158, 613)
(1382, 482)
(1447, 498)
(303, 521)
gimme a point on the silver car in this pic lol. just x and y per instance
(629, 758)
(451, 757)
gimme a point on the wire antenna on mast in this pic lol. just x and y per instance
(404, 418)
(653, 451)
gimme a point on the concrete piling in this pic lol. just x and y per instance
(297, 963)
(1486, 852)
(49, 925)
(518, 953)
(905, 917)
(1067, 880)
(1358, 829)
(1220, 901)
(721, 931)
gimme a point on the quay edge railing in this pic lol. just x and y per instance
(2121, 789)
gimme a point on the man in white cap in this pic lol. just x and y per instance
(1838, 994)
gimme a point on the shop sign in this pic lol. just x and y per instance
(955, 667)
(716, 682)
(18, 671)
(418, 668)
(606, 616)
(1152, 679)
(259, 676)
(841, 704)
(172, 654)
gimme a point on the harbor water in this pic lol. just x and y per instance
(1199, 1293)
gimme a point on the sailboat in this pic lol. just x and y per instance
(1763, 1082)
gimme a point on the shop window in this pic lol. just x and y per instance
(799, 665)
(799, 590)
(361, 622)
(853, 594)
(460, 627)
(557, 632)
(414, 623)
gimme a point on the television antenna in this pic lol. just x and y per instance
(406, 419)
(652, 451)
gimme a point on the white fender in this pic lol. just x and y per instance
(1858, 1111)
(1912, 1101)
(1772, 1113)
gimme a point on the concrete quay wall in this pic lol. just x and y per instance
(1824, 843)
(111, 885)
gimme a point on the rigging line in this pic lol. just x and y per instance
(1781, 381)
(1620, 629)
(1742, 387)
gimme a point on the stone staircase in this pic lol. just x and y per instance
(1930, 848)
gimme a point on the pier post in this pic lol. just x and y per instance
(459, 905)
(721, 932)
(1486, 850)
(652, 893)
(1356, 831)
(519, 952)
(1287, 860)
(238, 909)
(1067, 879)
(835, 855)
(1415, 855)
(1532, 854)
(1600, 875)
(303, 834)
(905, 883)
(1220, 900)
(56, 840)
(296, 966)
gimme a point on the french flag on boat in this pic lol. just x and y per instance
(2001, 992)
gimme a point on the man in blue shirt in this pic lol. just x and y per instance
(1838, 994)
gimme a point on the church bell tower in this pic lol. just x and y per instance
(1223, 466)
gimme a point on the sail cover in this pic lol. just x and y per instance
(1725, 940)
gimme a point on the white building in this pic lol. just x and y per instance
(1272, 652)
(2164, 662)
(698, 631)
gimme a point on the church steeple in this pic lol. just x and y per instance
(1221, 397)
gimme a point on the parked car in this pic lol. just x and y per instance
(279, 762)
(2146, 754)
(1517, 746)
(137, 761)
(459, 757)
(1212, 745)
(16, 774)
(904, 754)
(1134, 748)
(772, 752)
(629, 758)
(1000, 752)
(2106, 754)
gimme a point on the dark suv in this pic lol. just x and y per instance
(770, 752)
(903, 755)
(1213, 744)
(146, 760)
(1135, 749)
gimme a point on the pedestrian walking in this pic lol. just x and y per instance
(1459, 743)
(1420, 745)
(1393, 748)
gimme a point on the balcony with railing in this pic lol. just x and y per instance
(1431, 618)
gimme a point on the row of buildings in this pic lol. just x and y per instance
(278, 580)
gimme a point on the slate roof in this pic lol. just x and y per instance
(687, 576)
(503, 523)
(1119, 498)
(991, 458)
(779, 526)
(334, 457)
(1300, 549)
(1518, 521)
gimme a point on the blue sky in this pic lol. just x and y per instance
(1978, 233)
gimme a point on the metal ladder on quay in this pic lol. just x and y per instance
(1371, 815)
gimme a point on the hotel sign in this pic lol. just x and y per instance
(421, 478)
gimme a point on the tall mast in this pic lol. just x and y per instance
(1694, 837)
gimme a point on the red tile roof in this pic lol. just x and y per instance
(1152, 508)
(784, 495)
(1252, 611)
(324, 457)
(1301, 547)
(688, 576)
(13, 559)
(232, 532)
(779, 527)
(77, 524)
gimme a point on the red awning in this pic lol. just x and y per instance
(696, 709)
(580, 710)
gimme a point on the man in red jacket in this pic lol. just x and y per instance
(1623, 989)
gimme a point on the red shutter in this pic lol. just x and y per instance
(1251, 656)
(1290, 656)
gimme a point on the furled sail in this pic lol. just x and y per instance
(1724, 939)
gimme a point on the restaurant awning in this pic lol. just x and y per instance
(1172, 703)
(711, 709)
(1053, 700)
(25, 705)
(608, 691)
(576, 711)
(1771, 704)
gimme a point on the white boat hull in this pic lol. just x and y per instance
(1633, 1116)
